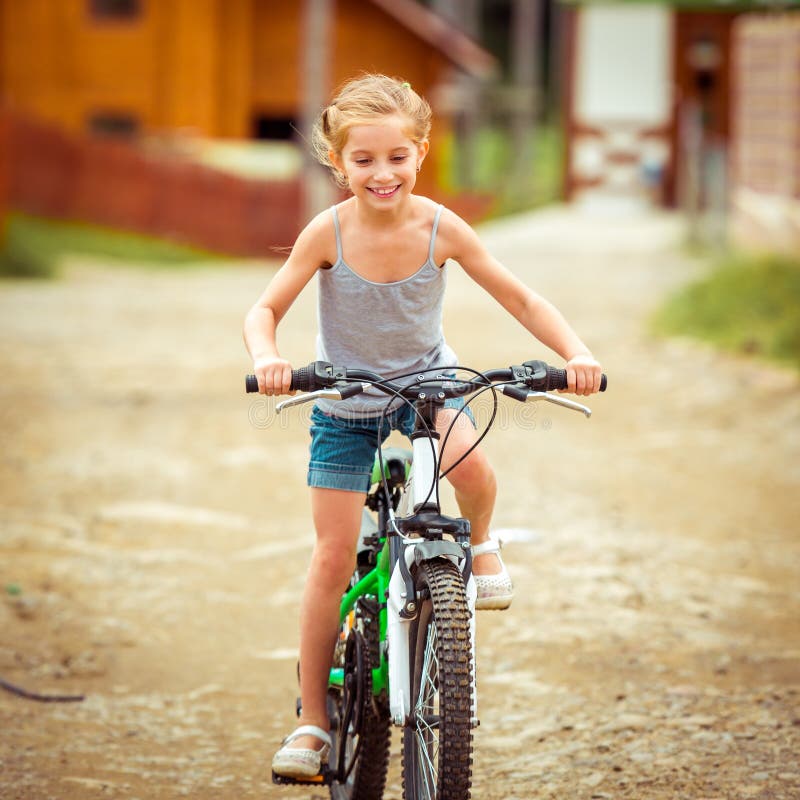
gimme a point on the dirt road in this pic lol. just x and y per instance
(154, 536)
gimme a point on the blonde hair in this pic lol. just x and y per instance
(359, 102)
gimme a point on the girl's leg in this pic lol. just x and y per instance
(473, 481)
(337, 519)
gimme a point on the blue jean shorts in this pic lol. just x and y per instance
(343, 450)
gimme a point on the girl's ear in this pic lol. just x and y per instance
(336, 160)
(422, 151)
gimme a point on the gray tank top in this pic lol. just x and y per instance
(389, 328)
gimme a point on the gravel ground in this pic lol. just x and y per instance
(154, 535)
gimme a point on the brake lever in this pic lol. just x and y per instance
(322, 394)
(298, 400)
(525, 395)
(559, 401)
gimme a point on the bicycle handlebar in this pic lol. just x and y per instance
(535, 376)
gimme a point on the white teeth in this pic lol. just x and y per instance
(384, 192)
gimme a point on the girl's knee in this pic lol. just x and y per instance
(332, 564)
(473, 474)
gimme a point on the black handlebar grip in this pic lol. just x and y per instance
(301, 381)
(557, 379)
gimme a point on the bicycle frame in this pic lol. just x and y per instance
(403, 620)
(391, 577)
(375, 583)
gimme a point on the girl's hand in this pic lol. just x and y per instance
(583, 375)
(274, 375)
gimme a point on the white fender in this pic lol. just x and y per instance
(397, 633)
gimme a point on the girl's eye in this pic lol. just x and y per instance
(362, 161)
(399, 158)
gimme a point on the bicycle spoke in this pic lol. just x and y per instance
(428, 747)
(426, 733)
(427, 766)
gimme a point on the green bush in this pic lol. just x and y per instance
(747, 304)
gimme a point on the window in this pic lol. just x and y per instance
(113, 124)
(272, 128)
(115, 9)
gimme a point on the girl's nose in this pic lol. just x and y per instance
(384, 172)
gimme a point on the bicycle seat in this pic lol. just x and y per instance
(396, 466)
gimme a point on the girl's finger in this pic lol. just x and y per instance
(580, 382)
(571, 379)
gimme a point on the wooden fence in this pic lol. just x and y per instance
(114, 183)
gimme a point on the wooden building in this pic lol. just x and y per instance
(218, 68)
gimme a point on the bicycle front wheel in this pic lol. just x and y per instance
(437, 740)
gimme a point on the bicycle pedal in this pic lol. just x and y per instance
(324, 778)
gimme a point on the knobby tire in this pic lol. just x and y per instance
(367, 778)
(437, 742)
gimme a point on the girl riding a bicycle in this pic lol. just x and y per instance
(380, 310)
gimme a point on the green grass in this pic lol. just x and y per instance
(34, 246)
(747, 305)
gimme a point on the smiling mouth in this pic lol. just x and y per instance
(384, 192)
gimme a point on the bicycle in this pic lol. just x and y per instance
(406, 650)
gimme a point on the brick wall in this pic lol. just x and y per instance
(105, 182)
(765, 143)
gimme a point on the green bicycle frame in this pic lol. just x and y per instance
(375, 583)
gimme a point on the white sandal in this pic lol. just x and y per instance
(290, 762)
(495, 592)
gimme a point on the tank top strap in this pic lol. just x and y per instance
(434, 231)
(338, 232)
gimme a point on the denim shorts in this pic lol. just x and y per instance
(343, 450)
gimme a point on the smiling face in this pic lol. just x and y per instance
(380, 161)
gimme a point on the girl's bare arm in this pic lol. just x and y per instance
(540, 317)
(261, 322)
